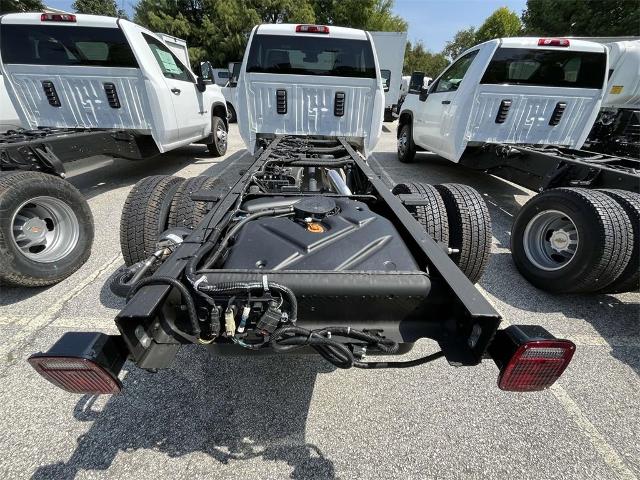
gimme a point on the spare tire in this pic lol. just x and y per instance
(469, 228)
(432, 214)
(145, 216)
(629, 278)
(571, 240)
(184, 211)
(46, 229)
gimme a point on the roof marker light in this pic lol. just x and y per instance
(553, 42)
(312, 29)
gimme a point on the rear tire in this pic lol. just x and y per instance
(46, 229)
(219, 130)
(406, 147)
(469, 228)
(571, 240)
(184, 211)
(145, 216)
(432, 215)
(629, 279)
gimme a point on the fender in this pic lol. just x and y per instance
(402, 120)
(219, 109)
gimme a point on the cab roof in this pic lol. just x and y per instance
(532, 42)
(290, 29)
(81, 20)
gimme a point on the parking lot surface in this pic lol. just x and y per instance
(298, 417)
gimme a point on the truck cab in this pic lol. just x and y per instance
(310, 80)
(539, 91)
(103, 73)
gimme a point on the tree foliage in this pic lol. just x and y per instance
(98, 7)
(418, 58)
(501, 23)
(591, 18)
(462, 40)
(218, 30)
(8, 6)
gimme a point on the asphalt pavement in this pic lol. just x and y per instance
(297, 417)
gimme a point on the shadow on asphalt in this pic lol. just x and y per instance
(232, 409)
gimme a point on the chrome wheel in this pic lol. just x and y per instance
(402, 143)
(221, 137)
(550, 240)
(45, 229)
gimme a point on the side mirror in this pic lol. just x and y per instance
(424, 93)
(416, 82)
(201, 85)
(206, 71)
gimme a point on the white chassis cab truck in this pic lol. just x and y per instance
(309, 251)
(617, 128)
(520, 108)
(84, 86)
(390, 52)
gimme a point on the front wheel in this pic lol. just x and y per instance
(219, 146)
(46, 229)
(406, 147)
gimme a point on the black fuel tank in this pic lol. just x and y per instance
(354, 238)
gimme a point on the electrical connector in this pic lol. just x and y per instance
(229, 323)
(270, 319)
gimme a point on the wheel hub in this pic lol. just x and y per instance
(34, 229)
(45, 229)
(550, 240)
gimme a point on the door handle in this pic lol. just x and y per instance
(176, 91)
(446, 102)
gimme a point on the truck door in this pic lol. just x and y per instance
(434, 122)
(192, 116)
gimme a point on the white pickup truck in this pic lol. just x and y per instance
(519, 108)
(85, 85)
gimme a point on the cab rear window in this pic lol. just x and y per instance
(304, 55)
(547, 68)
(65, 45)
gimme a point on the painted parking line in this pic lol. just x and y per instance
(606, 451)
(9, 351)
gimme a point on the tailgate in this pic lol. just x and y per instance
(310, 105)
(82, 95)
(528, 117)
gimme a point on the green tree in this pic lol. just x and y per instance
(418, 58)
(592, 18)
(7, 6)
(462, 40)
(218, 30)
(98, 7)
(501, 23)
(375, 15)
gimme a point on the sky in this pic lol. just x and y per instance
(434, 22)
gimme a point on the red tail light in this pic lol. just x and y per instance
(529, 357)
(536, 365)
(76, 375)
(553, 42)
(312, 29)
(57, 17)
(83, 362)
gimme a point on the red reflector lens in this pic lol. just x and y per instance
(553, 42)
(536, 365)
(57, 17)
(76, 375)
(312, 29)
